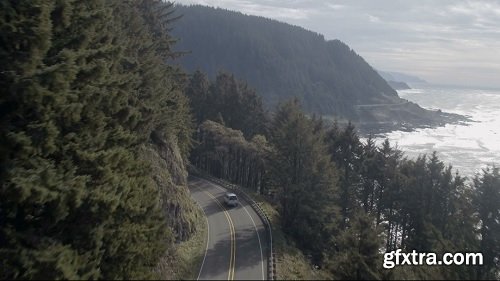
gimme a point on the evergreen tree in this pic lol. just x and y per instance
(390, 192)
(357, 256)
(229, 100)
(487, 206)
(280, 61)
(345, 151)
(197, 91)
(225, 153)
(80, 94)
(371, 174)
(305, 178)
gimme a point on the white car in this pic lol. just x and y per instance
(231, 199)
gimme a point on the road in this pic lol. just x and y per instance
(381, 104)
(237, 242)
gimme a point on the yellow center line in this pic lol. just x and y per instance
(232, 258)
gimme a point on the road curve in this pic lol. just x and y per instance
(237, 241)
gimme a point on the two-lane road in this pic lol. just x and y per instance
(237, 242)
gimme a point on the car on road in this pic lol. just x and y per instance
(231, 199)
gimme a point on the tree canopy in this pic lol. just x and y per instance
(281, 61)
(83, 85)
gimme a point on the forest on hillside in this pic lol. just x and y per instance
(98, 124)
(94, 136)
(279, 60)
(282, 61)
(340, 199)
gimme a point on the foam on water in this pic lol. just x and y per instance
(469, 148)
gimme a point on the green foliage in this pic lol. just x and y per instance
(83, 84)
(281, 61)
(357, 256)
(345, 150)
(487, 205)
(226, 153)
(418, 204)
(304, 177)
(227, 101)
(341, 199)
(344, 201)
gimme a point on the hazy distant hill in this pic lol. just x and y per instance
(282, 61)
(401, 77)
(396, 85)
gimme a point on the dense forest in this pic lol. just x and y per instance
(279, 60)
(343, 199)
(98, 124)
(94, 135)
(282, 61)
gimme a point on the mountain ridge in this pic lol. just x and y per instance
(280, 60)
(283, 61)
(401, 77)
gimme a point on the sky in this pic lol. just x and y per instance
(453, 42)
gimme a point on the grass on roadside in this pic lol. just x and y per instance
(291, 264)
(184, 261)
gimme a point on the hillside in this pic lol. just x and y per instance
(95, 134)
(283, 61)
(401, 77)
(397, 85)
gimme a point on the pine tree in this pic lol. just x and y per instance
(43, 190)
(227, 99)
(76, 104)
(487, 206)
(305, 178)
(371, 174)
(345, 151)
(357, 256)
(197, 91)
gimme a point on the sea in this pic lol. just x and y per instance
(469, 147)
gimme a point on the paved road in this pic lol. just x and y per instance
(381, 104)
(237, 240)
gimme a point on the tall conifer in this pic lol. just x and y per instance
(79, 95)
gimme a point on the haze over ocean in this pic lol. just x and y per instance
(467, 147)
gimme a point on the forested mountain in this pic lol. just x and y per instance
(94, 135)
(398, 85)
(401, 77)
(279, 60)
(97, 126)
(283, 61)
(342, 200)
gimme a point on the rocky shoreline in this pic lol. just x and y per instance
(439, 118)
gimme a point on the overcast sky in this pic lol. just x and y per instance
(441, 41)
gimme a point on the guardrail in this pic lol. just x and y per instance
(258, 209)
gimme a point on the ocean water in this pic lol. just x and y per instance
(468, 148)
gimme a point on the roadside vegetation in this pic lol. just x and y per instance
(291, 263)
(85, 93)
(185, 259)
(340, 200)
(98, 124)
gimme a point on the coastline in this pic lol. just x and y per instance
(379, 129)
